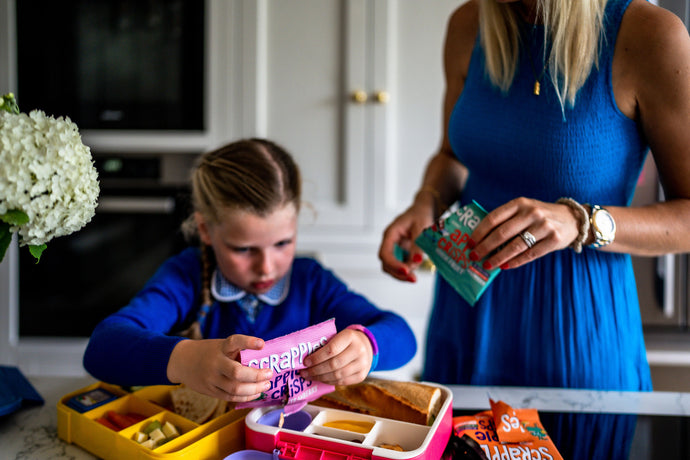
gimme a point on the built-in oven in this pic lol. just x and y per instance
(84, 277)
(113, 64)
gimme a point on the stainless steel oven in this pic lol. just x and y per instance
(85, 276)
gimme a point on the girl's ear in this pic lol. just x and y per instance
(202, 226)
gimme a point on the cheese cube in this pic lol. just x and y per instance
(149, 443)
(156, 435)
(140, 437)
(170, 431)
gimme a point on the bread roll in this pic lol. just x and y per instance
(411, 402)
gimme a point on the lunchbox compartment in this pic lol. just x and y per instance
(184, 427)
(326, 416)
(336, 415)
(342, 435)
(124, 405)
(409, 436)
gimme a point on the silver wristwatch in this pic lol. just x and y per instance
(603, 226)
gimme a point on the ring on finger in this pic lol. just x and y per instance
(528, 238)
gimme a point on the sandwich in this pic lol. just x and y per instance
(195, 406)
(411, 402)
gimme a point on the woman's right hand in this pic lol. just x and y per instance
(403, 231)
(213, 367)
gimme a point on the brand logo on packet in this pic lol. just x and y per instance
(446, 245)
(284, 356)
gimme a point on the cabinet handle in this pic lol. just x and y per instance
(359, 96)
(382, 97)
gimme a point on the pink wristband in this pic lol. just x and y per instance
(370, 336)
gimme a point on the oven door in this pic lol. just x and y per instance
(90, 274)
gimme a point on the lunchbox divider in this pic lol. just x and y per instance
(410, 436)
(123, 405)
(327, 415)
(157, 394)
(227, 438)
(129, 431)
(318, 418)
(372, 433)
(340, 435)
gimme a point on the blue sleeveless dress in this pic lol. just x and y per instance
(565, 320)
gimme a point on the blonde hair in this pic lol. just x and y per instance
(573, 27)
(253, 175)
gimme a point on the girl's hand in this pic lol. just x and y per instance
(212, 367)
(554, 226)
(344, 360)
(403, 231)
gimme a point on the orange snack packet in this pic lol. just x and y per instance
(504, 433)
(515, 425)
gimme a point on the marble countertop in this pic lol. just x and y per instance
(31, 433)
(562, 400)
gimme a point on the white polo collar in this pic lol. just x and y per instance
(224, 291)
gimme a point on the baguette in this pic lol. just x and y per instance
(411, 402)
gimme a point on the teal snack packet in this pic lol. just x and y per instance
(446, 245)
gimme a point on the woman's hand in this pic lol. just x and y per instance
(554, 226)
(212, 367)
(344, 360)
(403, 231)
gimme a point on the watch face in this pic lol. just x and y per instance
(604, 222)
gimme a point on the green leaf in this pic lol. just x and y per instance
(8, 103)
(5, 239)
(15, 217)
(37, 250)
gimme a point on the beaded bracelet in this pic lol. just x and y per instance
(583, 219)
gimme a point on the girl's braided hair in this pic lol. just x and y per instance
(252, 175)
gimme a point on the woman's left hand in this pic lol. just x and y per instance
(344, 360)
(545, 227)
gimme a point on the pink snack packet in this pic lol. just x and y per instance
(285, 355)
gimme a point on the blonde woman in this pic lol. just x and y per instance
(550, 109)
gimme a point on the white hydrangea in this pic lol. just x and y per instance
(46, 172)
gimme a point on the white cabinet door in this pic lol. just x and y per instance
(353, 89)
(308, 61)
(309, 56)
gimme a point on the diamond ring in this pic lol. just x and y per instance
(528, 238)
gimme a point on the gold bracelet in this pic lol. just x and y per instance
(437, 196)
(583, 219)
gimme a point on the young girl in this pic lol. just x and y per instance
(243, 286)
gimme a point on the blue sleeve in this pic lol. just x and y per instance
(333, 299)
(132, 346)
